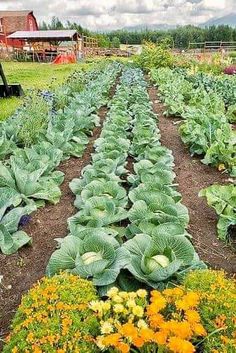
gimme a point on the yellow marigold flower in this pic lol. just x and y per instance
(199, 329)
(138, 311)
(106, 328)
(106, 306)
(188, 301)
(30, 337)
(142, 324)
(61, 350)
(113, 291)
(141, 293)
(95, 305)
(117, 299)
(15, 350)
(178, 345)
(131, 303)
(132, 295)
(118, 308)
(123, 295)
(99, 342)
(221, 167)
(192, 316)
(36, 349)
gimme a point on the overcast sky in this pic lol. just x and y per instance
(113, 14)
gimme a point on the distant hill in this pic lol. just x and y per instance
(225, 20)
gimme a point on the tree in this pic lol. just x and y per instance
(115, 43)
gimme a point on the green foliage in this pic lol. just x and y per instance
(223, 199)
(54, 317)
(217, 308)
(154, 56)
(115, 43)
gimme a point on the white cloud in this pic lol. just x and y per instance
(111, 14)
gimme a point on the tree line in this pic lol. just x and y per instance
(179, 37)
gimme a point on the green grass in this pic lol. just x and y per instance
(33, 76)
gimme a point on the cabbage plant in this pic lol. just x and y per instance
(95, 257)
(156, 260)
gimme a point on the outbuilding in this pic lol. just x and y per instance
(12, 21)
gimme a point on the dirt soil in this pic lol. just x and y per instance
(192, 176)
(21, 270)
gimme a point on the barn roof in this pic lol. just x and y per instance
(45, 36)
(15, 13)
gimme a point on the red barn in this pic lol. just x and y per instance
(12, 21)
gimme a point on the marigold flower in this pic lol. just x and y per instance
(192, 316)
(138, 342)
(106, 327)
(15, 350)
(111, 340)
(142, 293)
(146, 334)
(178, 345)
(118, 308)
(117, 299)
(160, 338)
(138, 311)
(123, 347)
(129, 330)
(199, 330)
(156, 320)
(131, 303)
(113, 291)
(142, 324)
(181, 329)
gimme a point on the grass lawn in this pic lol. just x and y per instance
(33, 75)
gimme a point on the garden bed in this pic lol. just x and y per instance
(23, 269)
(192, 176)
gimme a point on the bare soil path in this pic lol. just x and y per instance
(192, 176)
(23, 269)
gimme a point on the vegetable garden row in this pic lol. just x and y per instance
(129, 237)
(207, 107)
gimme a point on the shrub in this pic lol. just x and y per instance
(54, 317)
(217, 308)
(155, 56)
(230, 70)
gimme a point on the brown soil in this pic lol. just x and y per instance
(23, 269)
(192, 176)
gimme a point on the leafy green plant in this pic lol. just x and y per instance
(97, 257)
(155, 56)
(223, 199)
(159, 259)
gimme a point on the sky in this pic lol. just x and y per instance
(113, 14)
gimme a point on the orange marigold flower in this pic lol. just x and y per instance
(123, 347)
(160, 337)
(111, 340)
(188, 301)
(156, 320)
(129, 330)
(181, 329)
(178, 345)
(146, 334)
(138, 342)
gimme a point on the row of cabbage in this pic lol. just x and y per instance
(206, 128)
(28, 177)
(128, 238)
